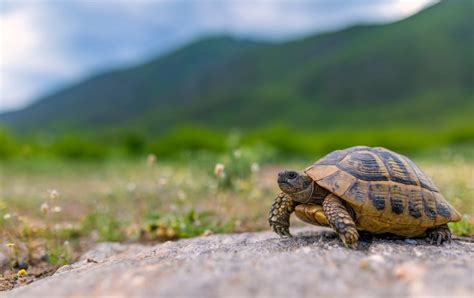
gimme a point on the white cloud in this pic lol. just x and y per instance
(29, 56)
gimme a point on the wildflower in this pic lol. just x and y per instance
(255, 167)
(237, 153)
(219, 170)
(151, 159)
(21, 272)
(44, 208)
(10, 245)
(57, 209)
(7, 216)
(131, 186)
(53, 194)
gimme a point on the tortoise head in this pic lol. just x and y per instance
(298, 187)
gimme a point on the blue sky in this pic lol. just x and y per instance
(45, 45)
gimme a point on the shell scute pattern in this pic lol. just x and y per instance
(415, 203)
(399, 171)
(398, 198)
(429, 204)
(357, 191)
(424, 180)
(338, 182)
(377, 194)
(382, 184)
(363, 165)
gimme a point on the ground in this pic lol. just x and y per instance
(312, 264)
(52, 211)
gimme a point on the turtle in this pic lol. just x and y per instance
(370, 189)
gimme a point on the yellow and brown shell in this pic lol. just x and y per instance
(388, 192)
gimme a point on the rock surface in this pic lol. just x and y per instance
(312, 264)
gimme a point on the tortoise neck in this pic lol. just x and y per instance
(318, 194)
(313, 194)
(304, 196)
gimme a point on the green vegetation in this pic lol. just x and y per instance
(190, 224)
(464, 227)
(277, 142)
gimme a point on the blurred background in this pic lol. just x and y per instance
(158, 120)
(166, 77)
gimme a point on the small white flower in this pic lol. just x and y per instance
(255, 167)
(219, 170)
(7, 216)
(237, 153)
(57, 209)
(53, 194)
(44, 208)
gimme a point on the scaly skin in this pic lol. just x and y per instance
(340, 220)
(279, 215)
(439, 234)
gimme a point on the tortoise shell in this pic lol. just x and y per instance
(383, 187)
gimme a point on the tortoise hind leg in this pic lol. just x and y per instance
(340, 220)
(439, 234)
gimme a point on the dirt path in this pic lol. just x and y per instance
(312, 264)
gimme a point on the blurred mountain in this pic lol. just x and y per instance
(416, 72)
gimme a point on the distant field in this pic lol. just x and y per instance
(129, 191)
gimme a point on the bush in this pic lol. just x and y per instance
(76, 148)
(188, 139)
(8, 145)
(134, 144)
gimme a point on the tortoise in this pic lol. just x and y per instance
(364, 189)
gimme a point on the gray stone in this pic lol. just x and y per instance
(312, 264)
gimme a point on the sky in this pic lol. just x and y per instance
(46, 45)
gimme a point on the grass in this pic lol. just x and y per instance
(52, 210)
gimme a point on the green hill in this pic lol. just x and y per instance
(416, 73)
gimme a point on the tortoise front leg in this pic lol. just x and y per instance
(279, 215)
(340, 220)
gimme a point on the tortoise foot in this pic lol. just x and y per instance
(349, 237)
(439, 235)
(281, 229)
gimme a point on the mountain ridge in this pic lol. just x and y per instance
(414, 72)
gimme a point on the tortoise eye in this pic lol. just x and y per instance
(292, 175)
